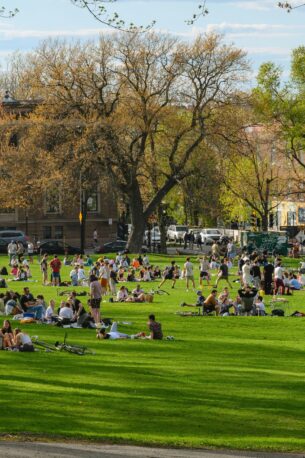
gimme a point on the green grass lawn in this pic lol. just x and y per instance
(236, 382)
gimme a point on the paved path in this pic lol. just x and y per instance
(12, 449)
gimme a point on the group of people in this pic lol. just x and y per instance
(14, 339)
(249, 301)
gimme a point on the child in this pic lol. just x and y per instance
(260, 306)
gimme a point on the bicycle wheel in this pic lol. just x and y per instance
(45, 345)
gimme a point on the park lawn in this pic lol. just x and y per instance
(235, 382)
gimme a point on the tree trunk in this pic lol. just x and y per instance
(265, 218)
(138, 220)
(162, 227)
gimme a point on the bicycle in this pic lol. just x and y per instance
(158, 291)
(75, 349)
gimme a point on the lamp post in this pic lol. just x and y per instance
(81, 215)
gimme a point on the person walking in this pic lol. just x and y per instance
(189, 273)
(44, 268)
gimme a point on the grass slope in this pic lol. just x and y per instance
(236, 382)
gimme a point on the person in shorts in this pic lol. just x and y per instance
(189, 273)
(95, 298)
(169, 274)
(204, 270)
(223, 273)
(55, 265)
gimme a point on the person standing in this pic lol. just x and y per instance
(20, 251)
(104, 276)
(12, 250)
(30, 251)
(246, 271)
(268, 273)
(55, 265)
(95, 237)
(278, 279)
(44, 268)
(223, 273)
(95, 298)
(204, 270)
(189, 273)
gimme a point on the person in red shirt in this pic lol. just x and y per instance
(55, 265)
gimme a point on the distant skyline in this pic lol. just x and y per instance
(259, 27)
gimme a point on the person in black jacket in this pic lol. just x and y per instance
(268, 273)
(247, 296)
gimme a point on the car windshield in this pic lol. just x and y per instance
(213, 231)
(182, 228)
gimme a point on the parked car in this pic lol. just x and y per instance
(3, 246)
(176, 233)
(155, 236)
(112, 247)
(16, 236)
(213, 234)
(55, 247)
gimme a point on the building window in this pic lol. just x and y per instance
(47, 232)
(52, 201)
(59, 232)
(5, 211)
(92, 203)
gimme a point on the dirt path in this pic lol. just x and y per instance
(10, 449)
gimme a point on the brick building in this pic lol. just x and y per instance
(55, 217)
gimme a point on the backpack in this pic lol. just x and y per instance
(278, 312)
(3, 271)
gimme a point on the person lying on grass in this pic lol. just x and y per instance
(114, 334)
(154, 327)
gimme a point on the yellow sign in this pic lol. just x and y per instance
(80, 216)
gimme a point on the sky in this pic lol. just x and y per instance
(259, 27)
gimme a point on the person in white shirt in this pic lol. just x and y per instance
(246, 271)
(189, 273)
(12, 250)
(278, 280)
(260, 306)
(104, 274)
(66, 311)
(22, 341)
(50, 312)
(30, 251)
(122, 294)
(81, 276)
(145, 261)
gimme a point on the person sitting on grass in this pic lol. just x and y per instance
(29, 304)
(6, 333)
(138, 295)
(226, 302)
(247, 296)
(66, 314)
(294, 284)
(155, 328)
(122, 294)
(22, 341)
(50, 314)
(211, 304)
(199, 302)
(260, 306)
